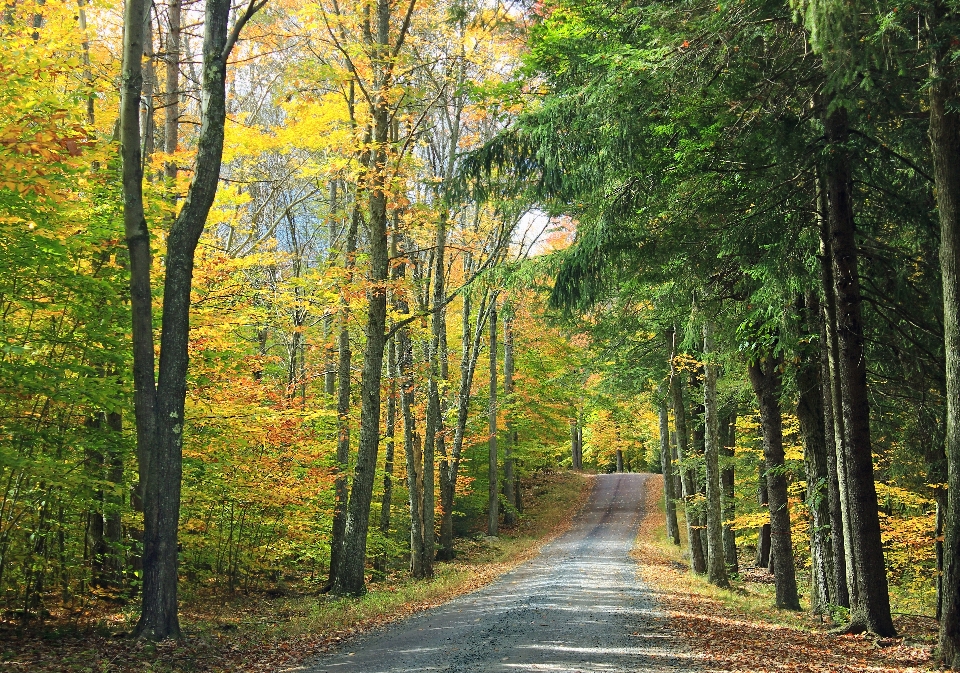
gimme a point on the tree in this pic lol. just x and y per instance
(159, 402)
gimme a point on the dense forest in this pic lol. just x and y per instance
(307, 292)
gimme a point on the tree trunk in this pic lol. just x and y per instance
(493, 499)
(510, 513)
(727, 444)
(387, 500)
(345, 358)
(171, 99)
(833, 418)
(765, 378)
(812, 428)
(870, 602)
(666, 463)
(945, 150)
(688, 477)
(160, 406)
(470, 352)
(716, 566)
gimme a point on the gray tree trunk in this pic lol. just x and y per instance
(493, 499)
(765, 377)
(833, 419)
(716, 565)
(945, 150)
(159, 405)
(350, 578)
(728, 441)
(666, 463)
(344, 362)
(688, 477)
(870, 602)
(812, 428)
(509, 478)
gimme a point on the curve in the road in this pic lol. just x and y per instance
(578, 606)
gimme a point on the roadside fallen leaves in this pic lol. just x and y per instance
(725, 638)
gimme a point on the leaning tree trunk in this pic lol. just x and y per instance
(765, 377)
(870, 602)
(716, 566)
(666, 463)
(160, 407)
(812, 428)
(945, 150)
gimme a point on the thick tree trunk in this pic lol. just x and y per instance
(762, 559)
(812, 428)
(688, 476)
(493, 498)
(727, 444)
(716, 566)
(765, 378)
(870, 602)
(510, 513)
(945, 150)
(666, 463)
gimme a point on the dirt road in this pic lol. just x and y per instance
(578, 606)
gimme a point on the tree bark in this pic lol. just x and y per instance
(469, 355)
(387, 499)
(765, 377)
(727, 444)
(833, 418)
(688, 477)
(716, 566)
(666, 463)
(510, 512)
(870, 602)
(171, 99)
(493, 499)
(344, 385)
(160, 405)
(945, 151)
(812, 428)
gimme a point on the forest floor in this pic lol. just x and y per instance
(256, 632)
(740, 631)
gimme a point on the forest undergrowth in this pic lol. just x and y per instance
(278, 628)
(739, 630)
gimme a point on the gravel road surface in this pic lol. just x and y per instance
(578, 606)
